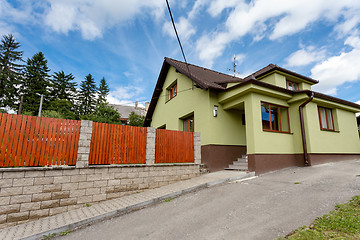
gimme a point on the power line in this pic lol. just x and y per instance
(177, 36)
(185, 90)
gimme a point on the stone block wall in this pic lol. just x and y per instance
(31, 193)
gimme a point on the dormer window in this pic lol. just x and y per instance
(292, 85)
(172, 91)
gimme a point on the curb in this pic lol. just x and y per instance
(137, 206)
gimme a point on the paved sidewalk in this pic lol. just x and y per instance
(82, 216)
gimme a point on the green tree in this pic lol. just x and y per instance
(103, 91)
(35, 83)
(10, 71)
(51, 114)
(136, 119)
(105, 114)
(63, 86)
(87, 94)
(63, 107)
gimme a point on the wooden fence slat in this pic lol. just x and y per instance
(46, 159)
(76, 143)
(96, 142)
(34, 140)
(61, 142)
(92, 144)
(56, 142)
(52, 156)
(72, 132)
(42, 140)
(11, 133)
(19, 142)
(14, 137)
(66, 143)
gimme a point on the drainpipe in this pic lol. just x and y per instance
(306, 161)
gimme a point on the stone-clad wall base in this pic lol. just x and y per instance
(262, 163)
(319, 158)
(31, 193)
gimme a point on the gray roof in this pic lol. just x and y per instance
(125, 110)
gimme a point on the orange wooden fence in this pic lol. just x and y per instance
(117, 144)
(37, 141)
(174, 146)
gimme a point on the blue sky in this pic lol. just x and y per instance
(125, 41)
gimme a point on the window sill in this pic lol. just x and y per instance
(277, 132)
(328, 130)
(170, 99)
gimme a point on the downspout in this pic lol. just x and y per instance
(306, 160)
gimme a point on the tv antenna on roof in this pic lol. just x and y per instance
(234, 67)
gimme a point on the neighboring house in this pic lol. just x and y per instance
(125, 111)
(273, 116)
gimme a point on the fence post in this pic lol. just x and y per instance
(150, 145)
(197, 148)
(83, 153)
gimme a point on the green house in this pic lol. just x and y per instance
(272, 118)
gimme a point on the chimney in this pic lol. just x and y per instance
(136, 104)
(146, 106)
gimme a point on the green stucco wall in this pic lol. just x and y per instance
(225, 129)
(345, 139)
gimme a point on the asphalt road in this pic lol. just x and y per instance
(269, 206)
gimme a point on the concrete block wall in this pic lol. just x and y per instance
(33, 193)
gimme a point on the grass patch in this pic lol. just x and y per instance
(49, 236)
(297, 182)
(168, 199)
(65, 233)
(342, 223)
(88, 205)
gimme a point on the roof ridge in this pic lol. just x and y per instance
(205, 69)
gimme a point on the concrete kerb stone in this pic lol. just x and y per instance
(137, 206)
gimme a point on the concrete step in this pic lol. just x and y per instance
(236, 167)
(243, 160)
(244, 164)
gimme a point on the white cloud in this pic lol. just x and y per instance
(217, 6)
(305, 56)
(337, 70)
(126, 95)
(92, 17)
(274, 19)
(184, 28)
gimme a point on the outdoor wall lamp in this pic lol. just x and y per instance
(215, 111)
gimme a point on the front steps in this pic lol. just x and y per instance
(241, 164)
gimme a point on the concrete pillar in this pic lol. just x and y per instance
(197, 148)
(150, 146)
(83, 153)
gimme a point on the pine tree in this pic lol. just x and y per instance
(103, 91)
(10, 71)
(35, 83)
(87, 94)
(63, 87)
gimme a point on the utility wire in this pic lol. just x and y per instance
(177, 36)
(164, 95)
